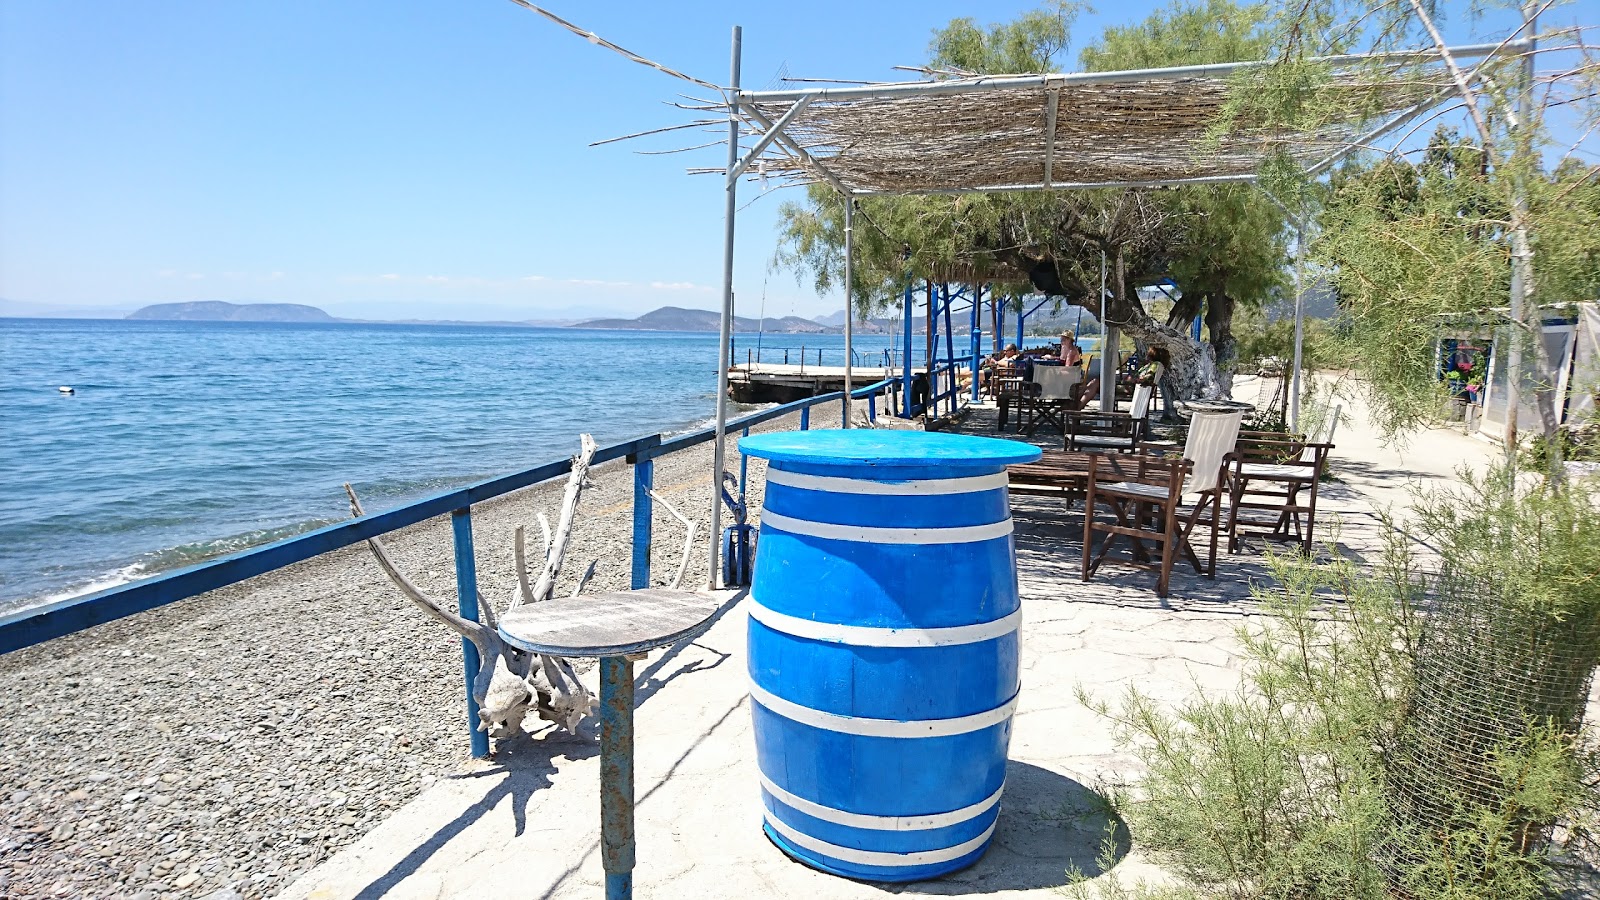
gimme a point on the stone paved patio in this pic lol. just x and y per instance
(527, 822)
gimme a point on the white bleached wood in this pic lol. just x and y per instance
(688, 538)
(576, 481)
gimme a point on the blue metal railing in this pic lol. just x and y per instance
(35, 625)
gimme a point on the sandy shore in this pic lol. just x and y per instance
(221, 746)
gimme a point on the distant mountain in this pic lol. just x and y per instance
(220, 311)
(674, 318)
(835, 318)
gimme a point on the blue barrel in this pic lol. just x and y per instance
(883, 647)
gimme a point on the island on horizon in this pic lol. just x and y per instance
(666, 318)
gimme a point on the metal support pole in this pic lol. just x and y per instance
(1110, 349)
(644, 475)
(1022, 315)
(718, 452)
(976, 338)
(1299, 321)
(616, 775)
(467, 605)
(849, 222)
(905, 371)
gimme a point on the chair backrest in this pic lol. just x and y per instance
(1140, 407)
(1055, 382)
(1212, 434)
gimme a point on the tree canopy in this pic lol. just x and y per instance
(1223, 244)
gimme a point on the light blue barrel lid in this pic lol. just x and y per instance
(870, 447)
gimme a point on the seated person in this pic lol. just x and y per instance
(1069, 352)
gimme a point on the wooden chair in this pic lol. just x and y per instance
(1056, 396)
(1144, 494)
(1279, 478)
(1134, 501)
(1010, 392)
(1110, 431)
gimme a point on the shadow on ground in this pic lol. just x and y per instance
(524, 764)
(523, 767)
(1050, 828)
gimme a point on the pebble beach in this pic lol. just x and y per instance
(220, 746)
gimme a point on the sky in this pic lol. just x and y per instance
(410, 159)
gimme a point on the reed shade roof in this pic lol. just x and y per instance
(1152, 128)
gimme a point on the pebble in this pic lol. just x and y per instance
(174, 769)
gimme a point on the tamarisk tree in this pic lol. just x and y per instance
(1223, 244)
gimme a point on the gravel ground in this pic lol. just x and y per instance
(221, 746)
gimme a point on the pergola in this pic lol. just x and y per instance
(1141, 128)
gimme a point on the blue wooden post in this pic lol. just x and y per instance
(949, 348)
(999, 322)
(872, 407)
(905, 371)
(744, 463)
(1020, 317)
(616, 775)
(805, 421)
(976, 336)
(467, 604)
(644, 474)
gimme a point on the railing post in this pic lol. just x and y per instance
(805, 418)
(467, 605)
(744, 463)
(872, 407)
(644, 473)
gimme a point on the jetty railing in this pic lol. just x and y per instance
(35, 625)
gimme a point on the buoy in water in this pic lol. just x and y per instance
(67, 389)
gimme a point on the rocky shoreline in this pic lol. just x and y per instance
(220, 746)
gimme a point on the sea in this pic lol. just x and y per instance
(184, 441)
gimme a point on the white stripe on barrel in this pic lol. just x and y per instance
(878, 857)
(881, 823)
(964, 534)
(871, 636)
(890, 728)
(918, 487)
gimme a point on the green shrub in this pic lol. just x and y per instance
(1408, 729)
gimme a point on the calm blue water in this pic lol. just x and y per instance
(186, 440)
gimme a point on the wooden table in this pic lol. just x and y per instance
(614, 627)
(1065, 469)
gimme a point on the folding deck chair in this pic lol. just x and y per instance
(1149, 493)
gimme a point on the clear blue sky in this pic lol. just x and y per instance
(405, 158)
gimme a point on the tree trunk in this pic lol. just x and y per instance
(1219, 321)
(1192, 373)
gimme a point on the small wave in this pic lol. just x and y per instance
(165, 560)
(735, 411)
(99, 583)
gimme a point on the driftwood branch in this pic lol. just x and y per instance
(576, 481)
(502, 704)
(510, 681)
(688, 537)
(519, 558)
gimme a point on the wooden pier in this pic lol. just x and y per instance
(784, 383)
